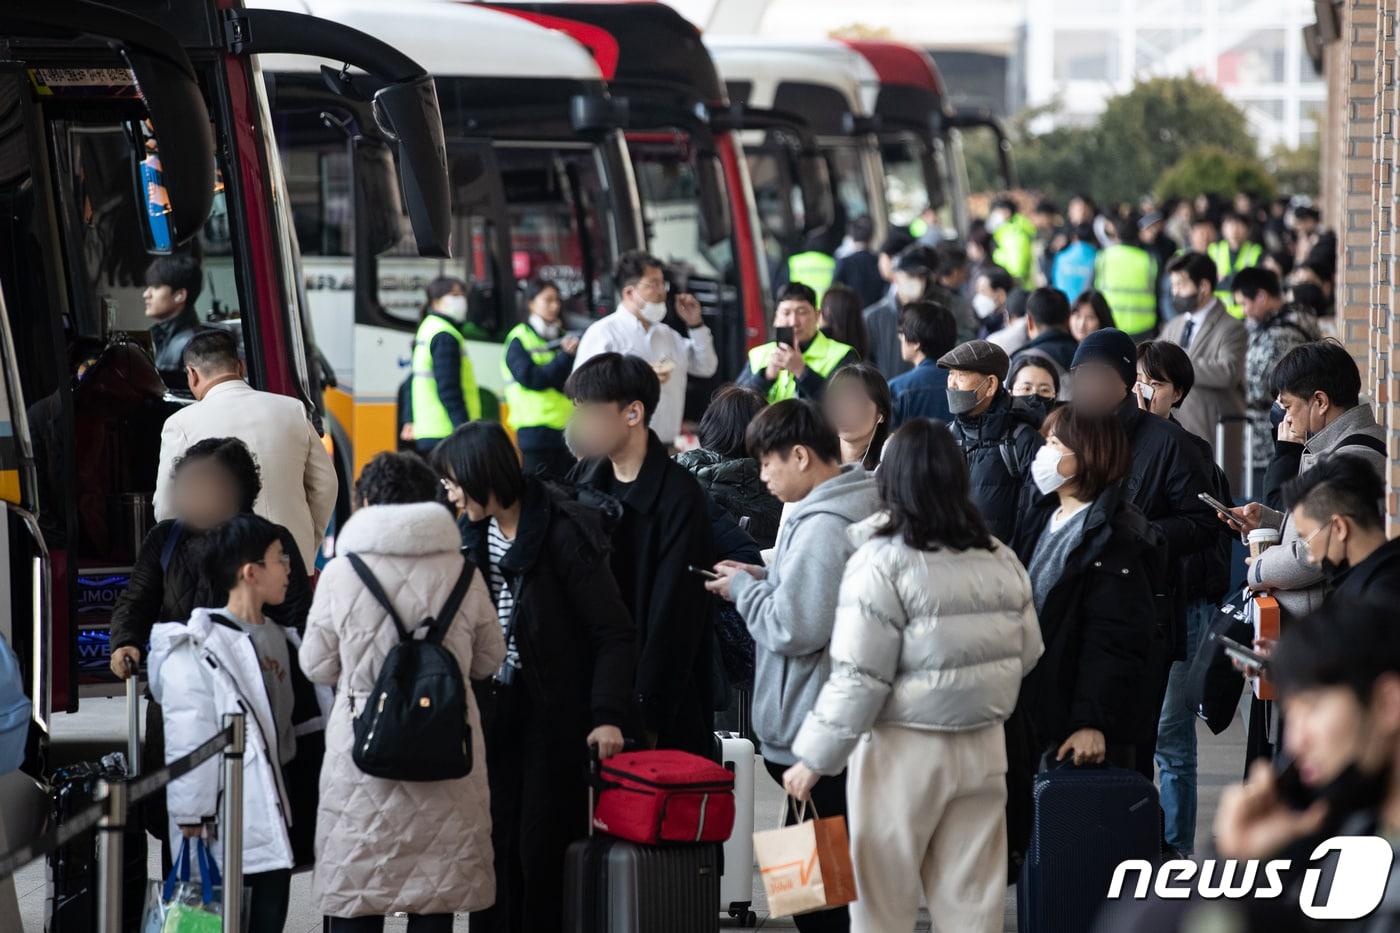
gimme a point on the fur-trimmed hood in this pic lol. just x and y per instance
(400, 530)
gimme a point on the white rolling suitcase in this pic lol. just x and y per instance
(736, 882)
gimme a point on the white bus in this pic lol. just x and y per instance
(541, 183)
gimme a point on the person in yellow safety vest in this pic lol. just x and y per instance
(812, 268)
(1232, 254)
(1126, 274)
(444, 386)
(800, 365)
(538, 359)
(1014, 238)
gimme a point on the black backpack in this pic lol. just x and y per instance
(414, 725)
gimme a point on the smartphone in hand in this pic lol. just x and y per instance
(701, 571)
(784, 335)
(1238, 652)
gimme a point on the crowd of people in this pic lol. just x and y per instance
(964, 522)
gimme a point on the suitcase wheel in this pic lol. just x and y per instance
(743, 916)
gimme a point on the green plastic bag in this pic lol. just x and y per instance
(182, 917)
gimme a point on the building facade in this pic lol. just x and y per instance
(1079, 53)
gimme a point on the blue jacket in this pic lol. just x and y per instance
(1073, 270)
(920, 393)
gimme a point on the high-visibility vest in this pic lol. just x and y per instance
(1127, 276)
(430, 417)
(1219, 251)
(814, 269)
(822, 356)
(533, 408)
(1014, 249)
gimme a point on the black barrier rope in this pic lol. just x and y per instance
(137, 790)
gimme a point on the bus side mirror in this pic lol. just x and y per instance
(407, 112)
(185, 138)
(818, 201)
(378, 206)
(595, 113)
(714, 203)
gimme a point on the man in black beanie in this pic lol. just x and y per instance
(1167, 474)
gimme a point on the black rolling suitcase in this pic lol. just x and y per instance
(615, 886)
(71, 906)
(1086, 821)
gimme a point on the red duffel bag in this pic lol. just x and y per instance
(659, 797)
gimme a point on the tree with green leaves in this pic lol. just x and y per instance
(1212, 170)
(1121, 156)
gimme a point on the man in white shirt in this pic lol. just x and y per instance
(635, 328)
(298, 478)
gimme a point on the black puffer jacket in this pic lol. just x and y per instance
(170, 595)
(1097, 622)
(999, 445)
(576, 639)
(736, 486)
(1205, 575)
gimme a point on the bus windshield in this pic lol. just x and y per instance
(849, 177)
(670, 190)
(99, 318)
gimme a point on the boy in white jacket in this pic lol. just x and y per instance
(223, 661)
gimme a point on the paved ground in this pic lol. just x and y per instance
(101, 727)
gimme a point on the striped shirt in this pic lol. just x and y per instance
(496, 546)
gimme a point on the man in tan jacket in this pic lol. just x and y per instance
(1216, 344)
(298, 478)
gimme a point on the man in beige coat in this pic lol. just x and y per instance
(1216, 344)
(298, 478)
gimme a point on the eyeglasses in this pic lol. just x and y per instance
(284, 559)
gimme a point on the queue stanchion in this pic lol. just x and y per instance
(133, 719)
(110, 830)
(232, 827)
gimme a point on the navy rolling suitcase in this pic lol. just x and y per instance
(1086, 821)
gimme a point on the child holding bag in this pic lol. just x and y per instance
(223, 661)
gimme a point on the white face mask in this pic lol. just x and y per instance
(453, 306)
(1045, 470)
(995, 220)
(984, 305)
(654, 311)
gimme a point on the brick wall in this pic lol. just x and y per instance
(1360, 171)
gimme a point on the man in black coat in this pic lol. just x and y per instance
(665, 528)
(1167, 475)
(999, 435)
(1336, 508)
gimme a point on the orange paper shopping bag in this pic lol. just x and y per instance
(1266, 625)
(806, 866)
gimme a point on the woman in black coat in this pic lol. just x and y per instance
(567, 680)
(726, 471)
(1092, 557)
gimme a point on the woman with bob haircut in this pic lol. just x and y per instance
(1089, 552)
(935, 629)
(566, 683)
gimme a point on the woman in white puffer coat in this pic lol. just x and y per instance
(935, 627)
(420, 847)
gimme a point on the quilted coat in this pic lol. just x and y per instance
(932, 640)
(422, 847)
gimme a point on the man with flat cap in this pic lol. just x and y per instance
(999, 435)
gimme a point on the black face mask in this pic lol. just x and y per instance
(1329, 566)
(1184, 304)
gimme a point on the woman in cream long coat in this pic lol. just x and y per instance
(387, 846)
